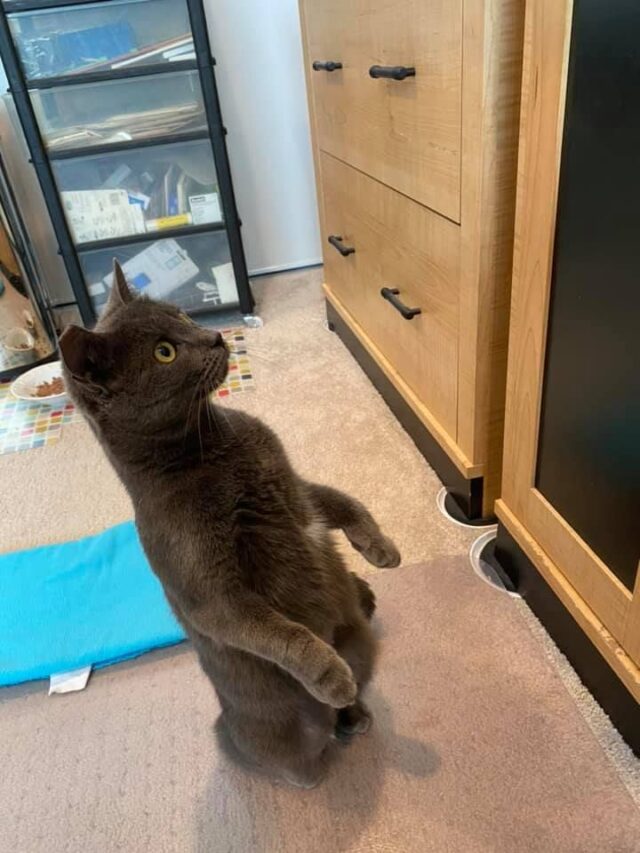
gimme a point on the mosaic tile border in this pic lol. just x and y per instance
(29, 425)
(25, 425)
(239, 377)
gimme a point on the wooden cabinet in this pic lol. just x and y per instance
(571, 490)
(406, 132)
(414, 107)
(405, 247)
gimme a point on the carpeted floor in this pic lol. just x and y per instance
(478, 745)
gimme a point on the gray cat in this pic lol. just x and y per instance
(239, 541)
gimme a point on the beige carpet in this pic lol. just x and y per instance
(478, 745)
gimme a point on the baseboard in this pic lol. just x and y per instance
(467, 492)
(593, 670)
(290, 267)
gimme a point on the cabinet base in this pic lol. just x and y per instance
(467, 493)
(594, 672)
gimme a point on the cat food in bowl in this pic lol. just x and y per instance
(43, 384)
(51, 389)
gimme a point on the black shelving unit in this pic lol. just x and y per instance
(119, 106)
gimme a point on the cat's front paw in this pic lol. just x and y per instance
(381, 552)
(336, 686)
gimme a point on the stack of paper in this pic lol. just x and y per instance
(142, 124)
(102, 214)
(171, 50)
(158, 270)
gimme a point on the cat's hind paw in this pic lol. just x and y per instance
(354, 720)
(366, 596)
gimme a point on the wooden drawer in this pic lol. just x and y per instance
(398, 244)
(406, 133)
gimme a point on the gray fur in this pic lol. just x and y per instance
(240, 543)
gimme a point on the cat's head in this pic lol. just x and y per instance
(146, 366)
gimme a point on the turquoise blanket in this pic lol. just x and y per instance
(91, 602)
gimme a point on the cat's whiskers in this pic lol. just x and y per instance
(219, 411)
(201, 386)
(205, 390)
(212, 411)
(211, 416)
(195, 397)
(260, 356)
(200, 429)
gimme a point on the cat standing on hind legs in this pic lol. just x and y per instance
(240, 543)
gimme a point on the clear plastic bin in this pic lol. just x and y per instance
(193, 272)
(120, 110)
(139, 191)
(114, 35)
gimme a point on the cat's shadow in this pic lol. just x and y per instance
(240, 812)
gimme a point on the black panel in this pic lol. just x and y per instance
(589, 455)
(593, 670)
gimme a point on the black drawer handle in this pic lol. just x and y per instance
(337, 243)
(391, 295)
(326, 66)
(391, 72)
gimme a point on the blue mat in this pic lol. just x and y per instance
(94, 601)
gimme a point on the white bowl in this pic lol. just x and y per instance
(25, 386)
(19, 341)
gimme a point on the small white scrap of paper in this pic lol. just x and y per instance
(69, 682)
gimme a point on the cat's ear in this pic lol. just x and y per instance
(86, 355)
(120, 292)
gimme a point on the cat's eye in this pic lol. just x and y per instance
(164, 352)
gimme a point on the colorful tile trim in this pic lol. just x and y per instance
(239, 377)
(26, 425)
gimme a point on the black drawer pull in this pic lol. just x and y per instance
(391, 72)
(391, 295)
(337, 243)
(326, 66)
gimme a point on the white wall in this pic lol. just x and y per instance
(260, 77)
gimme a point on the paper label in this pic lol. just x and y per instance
(69, 682)
(226, 283)
(140, 199)
(205, 208)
